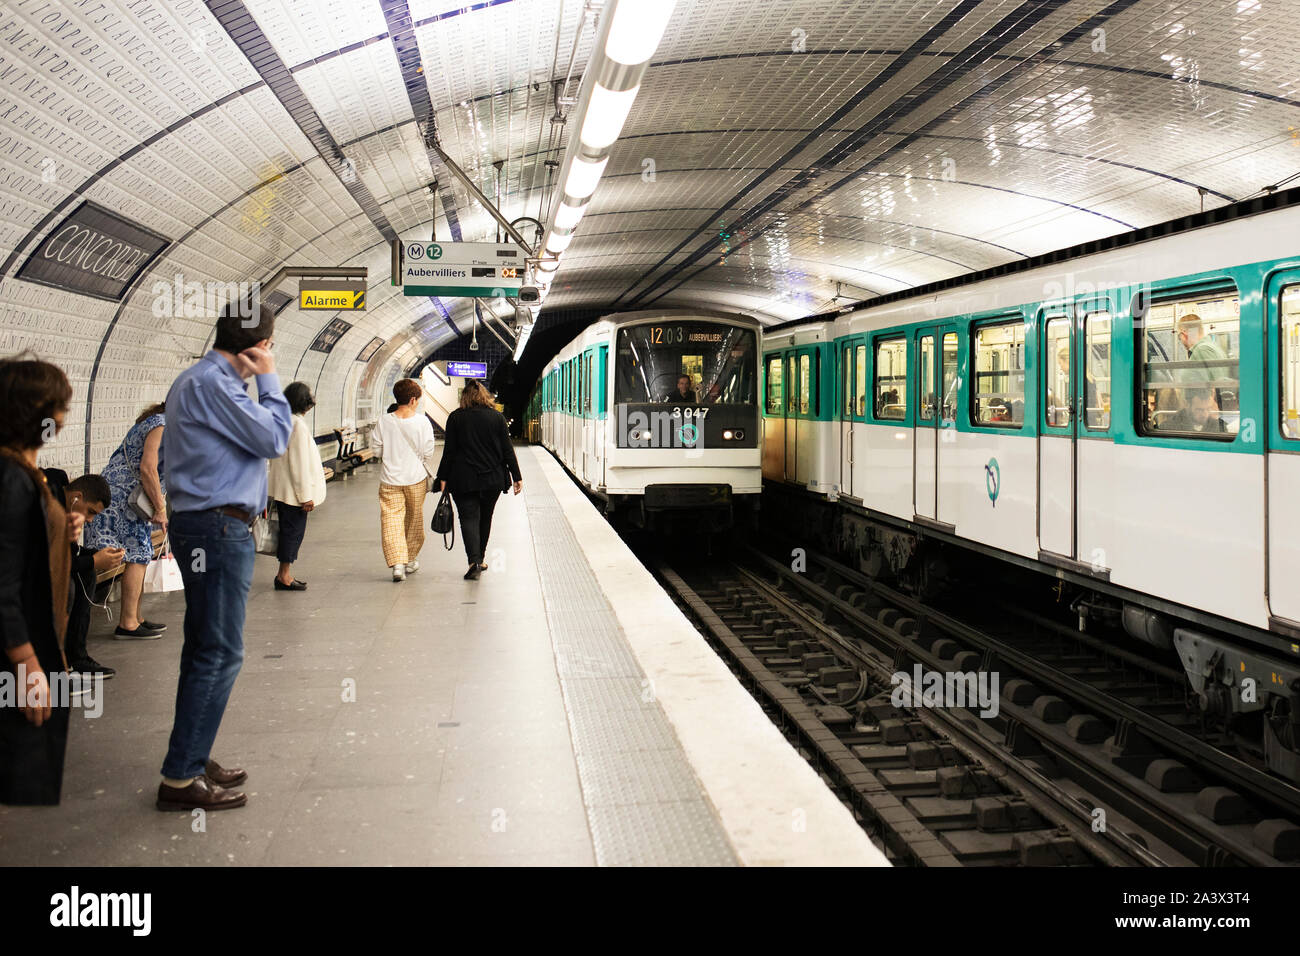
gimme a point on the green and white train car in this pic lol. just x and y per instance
(610, 408)
(1124, 415)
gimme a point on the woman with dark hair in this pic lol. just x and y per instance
(478, 464)
(297, 485)
(35, 572)
(137, 463)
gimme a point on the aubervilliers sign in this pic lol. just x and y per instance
(487, 269)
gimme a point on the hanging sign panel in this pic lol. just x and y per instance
(332, 294)
(93, 252)
(464, 269)
(467, 369)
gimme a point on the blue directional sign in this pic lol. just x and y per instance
(467, 369)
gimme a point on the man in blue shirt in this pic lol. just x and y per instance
(216, 445)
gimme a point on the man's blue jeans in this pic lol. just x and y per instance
(215, 553)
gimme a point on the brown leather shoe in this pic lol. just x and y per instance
(222, 777)
(201, 794)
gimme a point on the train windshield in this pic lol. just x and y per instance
(686, 363)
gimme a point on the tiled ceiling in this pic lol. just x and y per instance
(778, 154)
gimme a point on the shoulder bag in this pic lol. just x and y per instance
(430, 481)
(139, 502)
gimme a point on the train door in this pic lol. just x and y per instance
(1283, 357)
(926, 451)
(1058, 437)
(845, 375)
(586, 419)
(791, 413)
(936, 361)
(949, 382)
(602, 410)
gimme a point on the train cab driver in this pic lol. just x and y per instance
(683, 394)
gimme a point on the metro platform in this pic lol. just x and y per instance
(559, 711)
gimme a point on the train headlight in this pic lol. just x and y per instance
(739, 434)
(727, 435)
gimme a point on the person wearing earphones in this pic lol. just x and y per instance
(88, 496)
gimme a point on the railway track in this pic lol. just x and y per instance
(1089, 756)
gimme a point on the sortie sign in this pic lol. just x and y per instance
(93, 252)
(332, 294)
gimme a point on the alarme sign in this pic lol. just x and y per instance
(93, 252)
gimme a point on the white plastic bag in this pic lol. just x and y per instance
(163, 573)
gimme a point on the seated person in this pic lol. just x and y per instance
(683, 394)
(89, 495)
(1200, 415)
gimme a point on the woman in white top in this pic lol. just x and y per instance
(404, 439)
(297, 483)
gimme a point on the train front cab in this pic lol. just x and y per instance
(693, 461)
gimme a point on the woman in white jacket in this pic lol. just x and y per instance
(297, 483)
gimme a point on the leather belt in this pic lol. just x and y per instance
(234, 512)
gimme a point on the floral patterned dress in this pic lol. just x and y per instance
(119, 526)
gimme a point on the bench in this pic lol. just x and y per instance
(347, 456)
(104, 579)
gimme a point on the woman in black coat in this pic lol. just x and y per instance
(478, 464)
(35, 569)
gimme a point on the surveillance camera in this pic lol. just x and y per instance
(529, 295)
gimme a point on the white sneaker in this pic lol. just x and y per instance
(399, 572)
(412, 567)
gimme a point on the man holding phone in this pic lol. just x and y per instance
(216, 445)
(88, 496)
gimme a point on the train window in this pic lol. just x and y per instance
(720, 360)
(862, 381)
(774, 385)
(890, 386)
(999, 375)
(948, 367)
(586, 383)
(1056, 371)
(791, 390)
(925, 380)
(1290, 312)
(1096, 385)
(805, 383)
(1188, 377)
(846, 381)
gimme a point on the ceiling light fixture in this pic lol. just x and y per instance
(628, 35)
(583, 176)
(606, 113)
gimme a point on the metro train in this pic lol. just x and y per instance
(668, 432)
(1123, 418)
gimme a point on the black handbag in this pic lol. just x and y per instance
(444, 521)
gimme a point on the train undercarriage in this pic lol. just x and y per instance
(1241, 678)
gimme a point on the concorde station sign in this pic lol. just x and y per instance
(468, 269)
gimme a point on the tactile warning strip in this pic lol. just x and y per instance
(644, 803)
